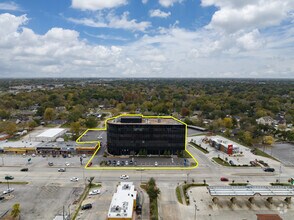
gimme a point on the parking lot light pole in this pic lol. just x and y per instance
(195, 211)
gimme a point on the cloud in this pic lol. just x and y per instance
(113, 21)
(94, 5)
(144, 1)
(170, 52)
(236, 15)
(168, 3)
(159, 13)
(10, 6)
(59, 52)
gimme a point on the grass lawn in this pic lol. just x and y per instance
(221, 161)
(238, 184)
(178, 193)
(199, 148)
(259, 152)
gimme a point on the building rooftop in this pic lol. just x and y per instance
(123, 201)
(52, 132)
(144, 120)
(251, 190)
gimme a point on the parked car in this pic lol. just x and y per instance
(122, 163)
(117, 163)
(124, 177)
(24, 169)
(84, 156)
(131, 162)
(156, 164)
(232, 163)
(67, 164)
(269, 169)
(9, 177)
(2, 198)
(94, 192)
(61, 169)
(86, 206)
(50, 164)
(127, 163)
(74, 179)
(114, 162)
(224, 179)
(33, 155)
(10, 190)
(90, 164)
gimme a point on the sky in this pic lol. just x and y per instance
(147, 38)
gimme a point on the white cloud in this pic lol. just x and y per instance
(159, 13)
(172, 52)
(94, 5)
(113, 21)
(10, 6)
(236, 15)
(168, 3)
(144, 1)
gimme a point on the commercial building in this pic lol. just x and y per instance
(128, 135)
(224, 146)
(50, 134)
(123, 202)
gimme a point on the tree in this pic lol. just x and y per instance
(268, 140)
(75, 128)
(90, 180)
(8, 127)
(49, 114)
(15, 210)
(91, 122)
(247, 138)
(185, 112)
(228, 122)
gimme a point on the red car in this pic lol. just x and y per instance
(224, 179)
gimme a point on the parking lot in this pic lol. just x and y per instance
(283, 152)
(34, 200)
(149, 161)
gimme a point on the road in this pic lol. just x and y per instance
(42, 177)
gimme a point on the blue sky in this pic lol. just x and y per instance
(147, 38)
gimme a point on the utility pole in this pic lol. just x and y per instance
(195, 211)
(280, 170)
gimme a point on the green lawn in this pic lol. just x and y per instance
(178, 193)
(238, 184)
(199, 148)
(221, 161)
(259, 152)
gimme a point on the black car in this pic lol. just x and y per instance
(50, 164)
(114, 162)
(87, 206)
(269, 170)
(24, 169)
(131, 162)
(122, 163)
(2, 198)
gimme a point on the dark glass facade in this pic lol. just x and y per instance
(131, 138)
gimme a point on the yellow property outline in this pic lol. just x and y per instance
(134, 167)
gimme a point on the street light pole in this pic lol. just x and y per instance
(195, 211)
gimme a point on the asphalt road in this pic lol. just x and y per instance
(49, 188)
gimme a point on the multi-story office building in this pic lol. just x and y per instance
(152, 135)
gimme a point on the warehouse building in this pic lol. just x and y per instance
(50, 134)
(129, 135)
(123, 202)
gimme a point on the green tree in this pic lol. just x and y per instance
(228, 122)
(268, 140)
(15, 210)
(75, 128)
(91, 122)
(8, 127)
(49, 114)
